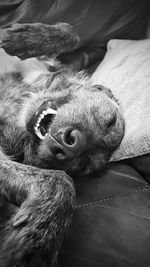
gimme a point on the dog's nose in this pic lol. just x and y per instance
(69, 143)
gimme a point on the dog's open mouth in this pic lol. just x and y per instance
(43, 122)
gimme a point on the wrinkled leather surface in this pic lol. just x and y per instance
(142, 165)
(104, 18)
(111, 224)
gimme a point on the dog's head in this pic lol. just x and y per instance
(75, 126)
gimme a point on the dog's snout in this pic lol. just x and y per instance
(69, 143)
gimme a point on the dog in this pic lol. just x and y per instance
(53, 125)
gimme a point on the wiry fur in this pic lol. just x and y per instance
(44, 198)
(42, 201)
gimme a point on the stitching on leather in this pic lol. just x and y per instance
(138, 190)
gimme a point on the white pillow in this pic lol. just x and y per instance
(126, 71)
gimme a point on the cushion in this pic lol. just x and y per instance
(126, 71)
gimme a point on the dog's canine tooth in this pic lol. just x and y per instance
(51, 111)
(42, 116)
(44, 112)
(38, 133)
(35, 128)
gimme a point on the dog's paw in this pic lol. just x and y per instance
(36, 39)
(35, 233)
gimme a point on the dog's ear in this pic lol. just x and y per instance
(31, 69)
(8, 63)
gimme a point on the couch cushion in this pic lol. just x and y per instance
(126, 71)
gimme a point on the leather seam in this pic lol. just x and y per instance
(130, 193)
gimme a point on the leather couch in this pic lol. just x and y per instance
(111, 223)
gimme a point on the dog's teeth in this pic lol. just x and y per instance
(37, 125)
(44, 112)
(51, 111)
(42, 116)
(35, 128)
(39, 134)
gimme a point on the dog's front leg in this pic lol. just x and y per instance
(37, 39)
(45, 198)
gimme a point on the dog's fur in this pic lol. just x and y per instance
(81, 137)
